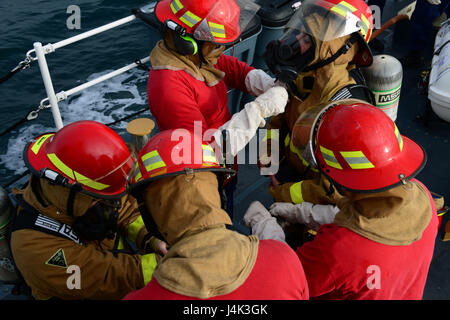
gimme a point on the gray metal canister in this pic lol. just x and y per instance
(384, 77)
(8, 273)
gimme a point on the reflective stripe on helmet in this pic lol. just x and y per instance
(75, 175)
(158, 173)
(342, 8)
(357, 160)
(217, 30)
(176, 6)
(38, 144)
(148, 264)
(296, 193)
(348, 6)
(152, 161)
(137, 173)
(365, 28)
(89, 182)
(399, 137)
(190, 19)
(60, 165)
(329, 158)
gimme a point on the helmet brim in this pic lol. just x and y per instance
(35, 159)
(409, 163)
(138, 187)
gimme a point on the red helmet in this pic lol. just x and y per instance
(358, 147)
(87, 152)
(342, 18)
(174, 152)
(208, 20)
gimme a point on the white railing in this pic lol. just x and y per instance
(53, 98)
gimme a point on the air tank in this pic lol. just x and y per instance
(8, 272)
(384, 77)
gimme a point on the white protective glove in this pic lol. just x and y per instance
(313, 216)
(257, 82)
(262, 224)
(434, 2)
(243, 125)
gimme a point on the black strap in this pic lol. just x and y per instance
(358, 76)
(71, 201)
(30, 218)
(356, 91)
(343, 50)
(21, 66)
(438, 51)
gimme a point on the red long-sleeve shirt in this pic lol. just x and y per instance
(177, 99)
(276, 275)
(341, 264)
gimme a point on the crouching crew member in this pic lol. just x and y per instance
(68, 237)
(378, 242)
(206, 260)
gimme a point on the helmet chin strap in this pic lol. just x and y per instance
(70, 202)
(200, 53)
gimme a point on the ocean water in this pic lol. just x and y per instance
(23, 22)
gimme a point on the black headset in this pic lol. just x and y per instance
(184, 43)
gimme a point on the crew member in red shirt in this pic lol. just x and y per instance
(378, 242)
(190, 77)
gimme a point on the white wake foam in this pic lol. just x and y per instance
(105, 102)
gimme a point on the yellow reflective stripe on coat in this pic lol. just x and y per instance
(329, 158)
(399, 138)
(152, 161)
(296, 193)
(134, 228)
(120, 244)
(176, 6)
(148, 264)
(208, 154)
(190, 19)
(217, 30)
(357, 160)
(60, 165)
(272, 134)
(38, 144)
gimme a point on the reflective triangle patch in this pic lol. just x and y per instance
(58, 259)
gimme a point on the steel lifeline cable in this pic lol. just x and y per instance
(25, 64)
(34, 113)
